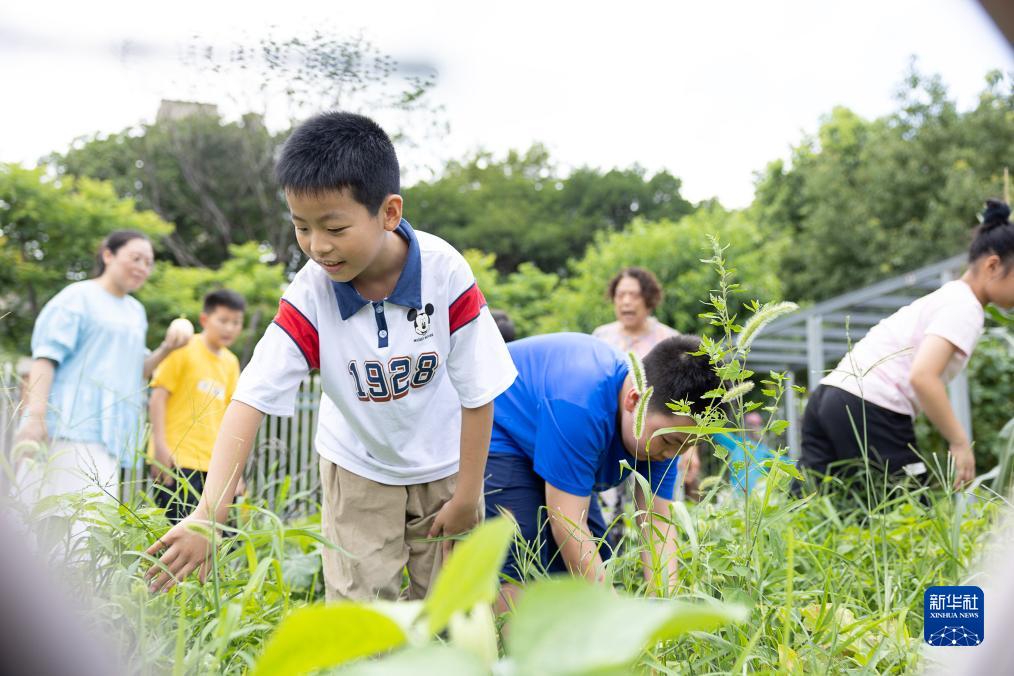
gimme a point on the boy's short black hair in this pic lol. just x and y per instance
(223, 298)
(337, 151)
(504, 323)
(677, 374)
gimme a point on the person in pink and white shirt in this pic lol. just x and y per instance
(902, 367)
(635, 293)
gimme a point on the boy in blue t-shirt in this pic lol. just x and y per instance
(562, 429)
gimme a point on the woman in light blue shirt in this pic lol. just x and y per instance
(89, 368)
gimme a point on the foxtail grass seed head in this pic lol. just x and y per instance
(636, 372)
(641, 411)
(738, 391)
(764, 316)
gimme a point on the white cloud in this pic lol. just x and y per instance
(710, 91)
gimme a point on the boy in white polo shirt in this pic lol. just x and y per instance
(410, 361)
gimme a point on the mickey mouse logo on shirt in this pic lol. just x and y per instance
(421, 319)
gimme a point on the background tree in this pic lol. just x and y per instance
(522, 208)
(293, 77)
(210, 178)
(50, 230)
(527, 295)
(250, 270)
(863, 200)
(673, 251)
(541, 302)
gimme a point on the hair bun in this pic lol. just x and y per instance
(997, 213)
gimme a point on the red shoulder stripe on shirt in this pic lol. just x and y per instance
(466, 308)
(302, 332)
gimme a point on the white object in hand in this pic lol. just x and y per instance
(180, 332)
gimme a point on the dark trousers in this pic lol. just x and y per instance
(180, 499)
(836, 426)
(513, 486)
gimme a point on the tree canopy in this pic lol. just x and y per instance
(50, 230)
(210, 178)
(863, 200)
(523, 209)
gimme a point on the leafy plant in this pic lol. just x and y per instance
(564, 626)
(830, 582)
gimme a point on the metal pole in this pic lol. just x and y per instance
(792, 415)
(957, 389)
(815, 349)
(960, 400)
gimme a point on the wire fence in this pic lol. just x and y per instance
(282, 470)
(10, 398)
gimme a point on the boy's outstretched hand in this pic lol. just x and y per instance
(457, 516)
(186, 550)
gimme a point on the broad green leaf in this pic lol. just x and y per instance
(405, 613)
(432, 660)
(471, 573)
(777, 427)
(476, 633)
(788, 659)
(253, 585)
(1001, 318)
(697, 430)
(682, 517)
(570, 626)
(686, 617)
(319, 636)
(785, 466)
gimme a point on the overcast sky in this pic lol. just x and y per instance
(711, 91)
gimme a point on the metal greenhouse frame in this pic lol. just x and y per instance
(812, 341)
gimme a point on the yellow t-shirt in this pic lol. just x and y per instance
(200, 385)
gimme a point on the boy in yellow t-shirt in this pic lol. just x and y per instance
(189, 393)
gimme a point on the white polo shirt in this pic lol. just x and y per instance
(394, 373)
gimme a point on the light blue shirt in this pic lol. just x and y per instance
(97, 342)
(747, 477)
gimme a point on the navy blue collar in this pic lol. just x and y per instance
(408, 290)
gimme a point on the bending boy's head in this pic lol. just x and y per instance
(337, 152)
(222, 317)
(676, 374)
(504, 323)
(341, 180)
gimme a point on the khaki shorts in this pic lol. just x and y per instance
(382, 530)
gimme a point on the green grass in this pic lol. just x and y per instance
(832, 581)
(831, 585)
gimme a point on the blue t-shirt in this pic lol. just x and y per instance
(97, 342)
(562, 414)
(742, 478)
